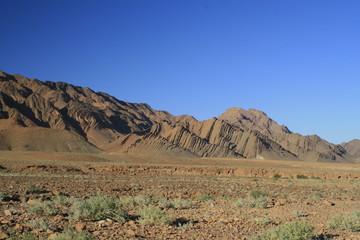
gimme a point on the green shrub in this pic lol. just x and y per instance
(72, 234)
(46, 208)
(142, 200)
(152, 215)
(301, 177)
(277, 176)
(2, 196)
(33, 189)
(182, 204)
(259, 202)
(300, 213)
(98, 207)
(39, 224)
(206, 198)
(257, 194)
(349, 221)
(24, 236)
(299, 230)
(262, 220)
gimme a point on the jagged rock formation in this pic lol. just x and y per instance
(306, 148)
(352, 147)
(252, 119)
(56, 116)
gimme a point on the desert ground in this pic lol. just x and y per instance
(193, 198)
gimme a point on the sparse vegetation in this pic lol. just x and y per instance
(277, 176)
(39, 224)
(2, 196)
(44, 208)
(300, 230)
(349, 221)
(257, 194)
(182, 204)
(260, 202)
(299, 213)
(152, 215)
(262, 220)
(72, 234)
(206, 198)
(33, 189)
(98, 207)
(301, 176)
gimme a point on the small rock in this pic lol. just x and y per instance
(53, 236)
(32, 202)
(80, 226)
(328, 203)
(7, 212)
(96, 233)
(131, 233)
(3, 235)
(131, 223)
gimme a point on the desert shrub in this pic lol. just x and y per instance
(300, 213)
(299, 230)
(31, 188)
(152, 215)
(2, 196)
(206, 198)
(98, 207)
(142, 200)
(2, 167)
(317, 195)
(39, 224)
(301, 176)
(182, 204)
(46, 208)
(24, 236)
(262, 220)
(162, 202)
(72, 234)
(349, 221)
(257, 194)
(127, 201)
(260, 202)
(277, 176)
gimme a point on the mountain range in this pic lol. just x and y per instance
(56, 116)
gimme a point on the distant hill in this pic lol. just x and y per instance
(352, 147)
(56, 116)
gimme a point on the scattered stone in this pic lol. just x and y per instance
(31, 202)
(80, 226)
(328, 203)
(53, 236)
(7, 212)
(96, 233)
(3, 235)
(131, 233)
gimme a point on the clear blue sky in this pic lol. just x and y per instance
(298, 61)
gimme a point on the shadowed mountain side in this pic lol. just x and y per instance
(352, 147)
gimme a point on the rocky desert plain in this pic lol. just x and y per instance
(79, 164)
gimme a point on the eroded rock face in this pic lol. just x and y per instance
(51, 115)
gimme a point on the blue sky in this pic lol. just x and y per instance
(298, 61)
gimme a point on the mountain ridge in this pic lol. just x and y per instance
(101, 122)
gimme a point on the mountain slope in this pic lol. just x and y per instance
(56, 116)
(352, 147)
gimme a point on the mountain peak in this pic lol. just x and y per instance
(252, 119)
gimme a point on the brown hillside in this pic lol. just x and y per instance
(352, 147)
(56, 116)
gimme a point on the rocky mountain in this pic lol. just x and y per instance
(252, 119)
(352, 147)
(56, 116)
